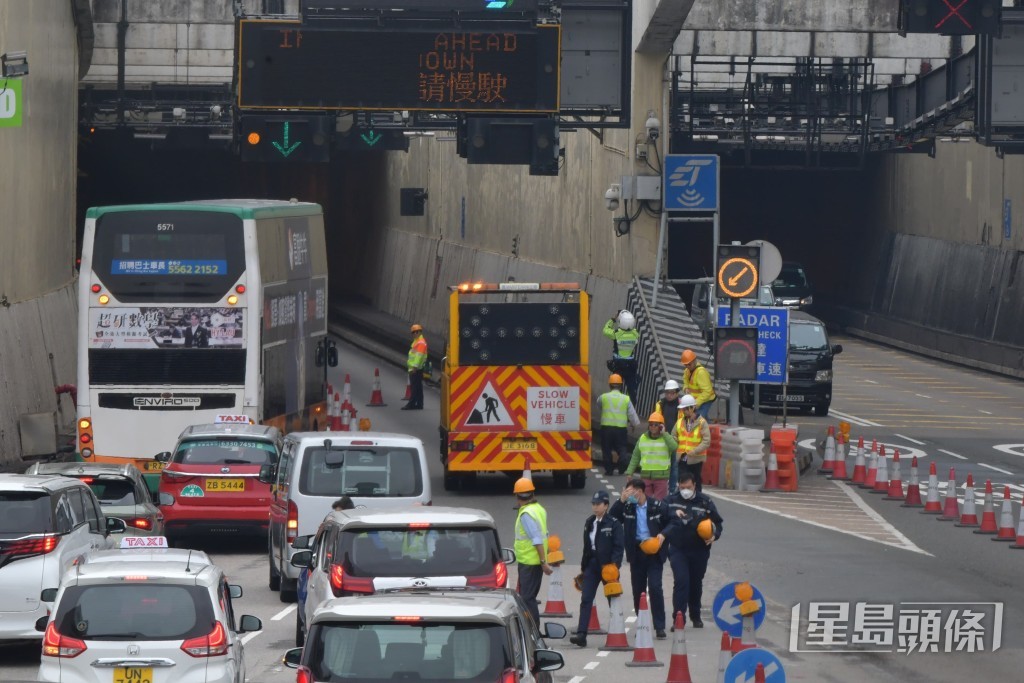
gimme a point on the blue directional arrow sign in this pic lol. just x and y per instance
(743, 665)
(772, 325)
(726, 610)
(691, 182)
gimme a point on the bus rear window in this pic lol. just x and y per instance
(187, 256)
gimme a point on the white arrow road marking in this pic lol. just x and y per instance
(1011, 448)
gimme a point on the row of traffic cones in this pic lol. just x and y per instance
(874, 471)
(341, 412)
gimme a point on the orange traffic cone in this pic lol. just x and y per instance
(336, 417)
(346, 389)
(988, 513)
(376, 396)
(914, 488)
(969, 515)
(771, 476)
(678, 663)
(882, 476)
(859, 466)
(830, 451)
(643, 650)
(839, 467)
(616, 640)
(931, 503)
(1019, 545)
(594, 626)
(1005, 532)
(555, 605)
(725, 655)
(527, 474)
(872, 474)
(951, 507)
(408, 388)
(895, 482)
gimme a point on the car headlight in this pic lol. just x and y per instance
(807, 301)
(823, 376)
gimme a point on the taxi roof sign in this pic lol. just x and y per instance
(143, 542)
(233, 419)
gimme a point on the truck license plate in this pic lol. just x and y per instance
(519, 444)
(133, 674)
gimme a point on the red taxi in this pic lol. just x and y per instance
(210, 483)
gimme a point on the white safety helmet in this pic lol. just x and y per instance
(671, 385)
(687, 402)
(626, 320)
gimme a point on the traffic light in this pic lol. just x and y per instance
(950, 17)
(529, 142)
(285, 138)
(736, 353)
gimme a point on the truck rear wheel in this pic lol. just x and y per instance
(578, 480)
(561, 479)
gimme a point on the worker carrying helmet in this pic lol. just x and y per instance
(652, 456)
(621, 329)
(695, 524)
(617, 414)
(697, 382)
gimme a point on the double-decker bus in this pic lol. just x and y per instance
(194, 310)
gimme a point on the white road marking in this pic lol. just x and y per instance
(630, 620)
(594, 470)
(576, 679)
(249, 636)
(283, 613)
(859, 421)
(871, 381)
(1010, 448)
(907, 438)
(610, 487)
(603, 654)
(955, 455)
(997, 469)
(984, 411)
(590, 666)
(922, 395)
(870, 512)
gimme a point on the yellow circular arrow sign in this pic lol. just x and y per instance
(737, 277)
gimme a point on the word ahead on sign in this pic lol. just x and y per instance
(284, 65)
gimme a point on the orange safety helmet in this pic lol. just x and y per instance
(656, 417)
(688, 357)
(524, 485)
(706, 529)
(616, 378)
(416, 328)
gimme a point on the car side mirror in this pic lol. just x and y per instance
(116, 525)
(302, 559)
(302, 542)
(41, 623)
(292, 658)
(48, 594)
(165, 456)
(548, 660)
(553, 630)
(248, 623)
(508, 556)
(266, 475)
(235, 591)
(837, 349)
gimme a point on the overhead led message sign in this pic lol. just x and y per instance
(284, 65)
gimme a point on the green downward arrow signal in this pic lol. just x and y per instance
(283, 147)
(371, 138)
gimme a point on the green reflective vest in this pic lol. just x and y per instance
(417, 353)
(525, 552)
(625, 343)
(654, 455)
(614, 409)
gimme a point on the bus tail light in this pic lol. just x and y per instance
(292, 528)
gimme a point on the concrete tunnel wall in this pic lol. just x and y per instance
(37, 229)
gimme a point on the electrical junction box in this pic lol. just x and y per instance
(641, 187)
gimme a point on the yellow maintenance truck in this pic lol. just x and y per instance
(515, 388)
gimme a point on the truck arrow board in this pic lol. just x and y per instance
(283, 147)
(371, 138)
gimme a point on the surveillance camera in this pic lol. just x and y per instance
(611, 197)
(653, 126)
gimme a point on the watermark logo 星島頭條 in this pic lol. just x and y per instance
(905, 627)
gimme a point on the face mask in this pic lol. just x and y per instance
(632, 499)
(687, 494)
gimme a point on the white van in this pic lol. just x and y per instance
(316, 468)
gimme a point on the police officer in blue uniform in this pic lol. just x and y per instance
(690, 538)
(602, 545)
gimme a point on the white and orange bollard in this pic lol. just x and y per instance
(643, 645)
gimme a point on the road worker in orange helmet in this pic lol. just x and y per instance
(652, 457)
(697, 383)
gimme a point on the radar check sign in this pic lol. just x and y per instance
(691, 182)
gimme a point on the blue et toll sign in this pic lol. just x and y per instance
(772, 325)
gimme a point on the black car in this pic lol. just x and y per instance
(792, 288)
(810, 369)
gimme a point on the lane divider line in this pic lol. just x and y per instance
(249, 636)
(630, 620)
(955, 455)
(605, 653)
(285, 612)
(997, 469)
(907, 438)
(984, 411)
(577, 679)
(870, 512)
(590, 666)
(610, 487)
(922, 395)
(871, 381)
(859, 421)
